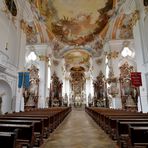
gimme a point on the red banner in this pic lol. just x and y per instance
(136, 79)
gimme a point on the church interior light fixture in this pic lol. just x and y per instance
(126, 51)
(32, 56)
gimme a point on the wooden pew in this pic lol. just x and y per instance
(138, 136)
(8, 139)
(51, 119)
(108, 118)
(25, 133)
(111, 126)
(46, 121)
(54, 116)
(123, 131)
(38, 127)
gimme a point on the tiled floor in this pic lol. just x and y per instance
(79, 131)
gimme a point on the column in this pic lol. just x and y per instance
(19, 103)
(43, 71)
(142, 64)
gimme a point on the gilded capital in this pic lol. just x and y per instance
(43, 58)
(112, 54)
(135, 17)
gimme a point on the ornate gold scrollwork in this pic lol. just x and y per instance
(112, 54)
(129, 93)
(43, 58)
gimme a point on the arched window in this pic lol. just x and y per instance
(11, 7)
(49, 75)
(106, 68)
(145, 2)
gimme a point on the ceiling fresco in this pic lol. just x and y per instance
(79, 22)
(77, 29)
(94, 49)
(72, 22)
(77, 58)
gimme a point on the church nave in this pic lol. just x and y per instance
(78, 130)
(87, 59)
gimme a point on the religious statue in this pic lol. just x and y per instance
(34, 87)
(31, 94)
(89, 100)
(30, 101)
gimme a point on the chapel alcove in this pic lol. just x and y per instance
(6, 98)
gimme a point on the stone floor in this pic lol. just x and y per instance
(78, 130)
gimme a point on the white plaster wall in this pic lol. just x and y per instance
(141, 67)
(141, 51)
(8, 34)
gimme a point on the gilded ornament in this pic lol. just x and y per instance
(112, 54)
(135, 17)
(43, 58)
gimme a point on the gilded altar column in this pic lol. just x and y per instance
(43, 64)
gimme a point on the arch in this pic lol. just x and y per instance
(5, 88)
(129, 60)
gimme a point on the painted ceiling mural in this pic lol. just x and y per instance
(76, 58)
(72, 26)
(73, 22)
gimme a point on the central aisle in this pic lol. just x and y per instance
(78, 130)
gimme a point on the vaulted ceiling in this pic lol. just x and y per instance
(74, 22)
(77, 29)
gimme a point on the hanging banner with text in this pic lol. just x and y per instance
(136, 79)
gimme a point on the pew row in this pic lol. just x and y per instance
(117, 123)
(33, 126)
